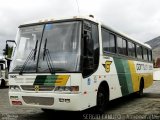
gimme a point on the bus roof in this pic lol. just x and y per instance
(91, 18)
(44, 20)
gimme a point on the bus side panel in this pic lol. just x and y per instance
(124, 75)
(108, 72)
(140, 70)
(148, 80)
(135, 76)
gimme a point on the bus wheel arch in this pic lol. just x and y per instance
(102, 97)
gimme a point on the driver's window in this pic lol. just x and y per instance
(91, 48)
(88, 44)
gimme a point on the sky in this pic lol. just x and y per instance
(139, 19)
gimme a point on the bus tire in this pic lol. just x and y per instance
(2, 83)
(102, 100)
(141, 87)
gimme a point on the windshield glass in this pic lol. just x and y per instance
(26, 42)
(58, 51)
(62, 44)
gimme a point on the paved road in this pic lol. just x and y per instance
(130, 107)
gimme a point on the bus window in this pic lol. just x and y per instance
(121, 45)
(91, 48)
(150, 55)
(131, 49)
(105, 40)
(108, 41)
(112, 40)
(96, 44)
(139, 51)
(124, 47)
(145, 54)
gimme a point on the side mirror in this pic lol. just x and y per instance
(9, 49)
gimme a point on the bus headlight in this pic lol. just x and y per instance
(67, 89)
(14, 88)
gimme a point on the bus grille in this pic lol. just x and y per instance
(38, 100)
(41, 88)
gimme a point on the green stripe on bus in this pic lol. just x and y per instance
(40, 79)
(124, 75)
(50, 80)
(128, 76)
(45, 80)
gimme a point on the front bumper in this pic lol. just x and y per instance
(68, 102)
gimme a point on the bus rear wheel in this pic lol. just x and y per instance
(141, 87)
(102, 100)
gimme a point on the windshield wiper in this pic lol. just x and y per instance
(35, 50)
(31, 54)
(48, 58)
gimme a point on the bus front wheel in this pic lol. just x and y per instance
(102, 100)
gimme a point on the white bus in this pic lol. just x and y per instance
(75, 64)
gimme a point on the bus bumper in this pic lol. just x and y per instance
(67, 102)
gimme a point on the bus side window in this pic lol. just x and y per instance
(91, 48)
(121, 46)
(145, 54)
(150, 55)
(124, 47)
(108, 42)
(88, 58)
(112, 41)
(131, 49)
(88, 44)
(105, 40)
(139, 52)
(95, 38)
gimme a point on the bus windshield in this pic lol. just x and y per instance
(48, 47)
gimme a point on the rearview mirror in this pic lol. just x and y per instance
(9, 48)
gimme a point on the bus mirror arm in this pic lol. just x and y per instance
(11, 41)
(6, 49)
